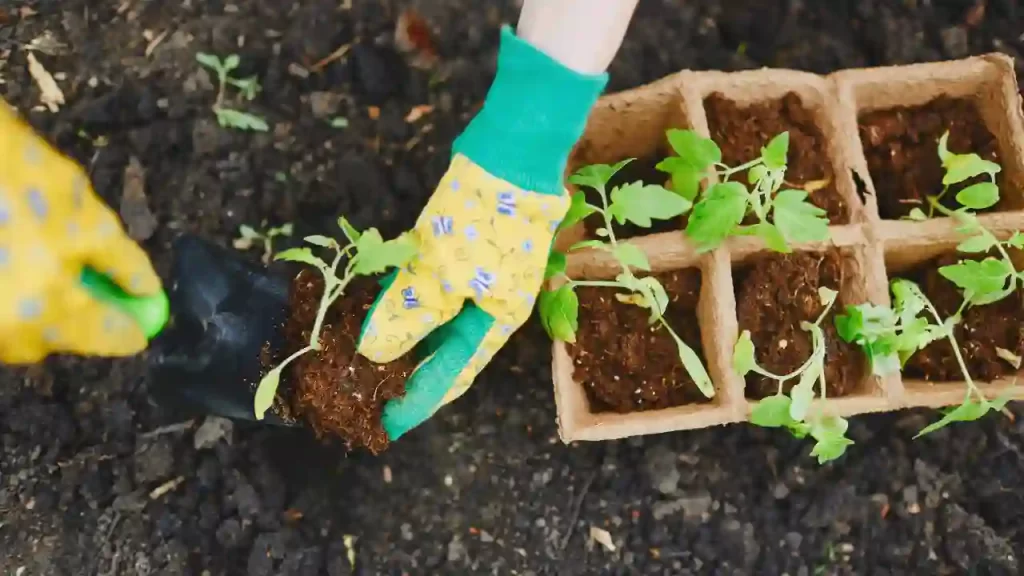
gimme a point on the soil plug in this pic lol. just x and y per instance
(639, 204)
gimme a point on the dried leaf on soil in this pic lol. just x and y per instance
(51, 95)
(602, 537)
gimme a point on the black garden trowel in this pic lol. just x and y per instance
(225, 314)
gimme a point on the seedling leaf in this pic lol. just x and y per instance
(227, 117)
(772, 412)
(831, 442)
(797, 219)
(694, 367)
(774, 154)
(803, 393)
(966, 412)
(632, 256)
(304, 255)
(773, 239)
(743, 359)
(960, 167)
(981, 281)
(320, 240)
(717, 214)
(248, 232)
(979, 196)
(266, 391)
(231, 62)
(587, 244)
(695, 150)
(597, 175)
(556, 265)
(639, 203)
(209, 60)
(917, 215)
(578, 210)
(559, 312)
(978, 244)
(375, 256)
(350, 232)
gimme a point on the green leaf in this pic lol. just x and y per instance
(917, 215)
(772, 412)
(827, 295)
(686, 183)
(556, 265)
(979, 196)
(803, 393)
(248, 232)
(639, 203)
(978, 280)
(1017, 240)
(966, 412)
(319, 240)
(350, 232)
(978, 244)
(597, 175)
(717, 214)
(743, 359)
(655, 296)
(694, 367)
(874, 329)
(944, 153)
(231, 62)
(697, 151)
(960, 167)
(374, 256)
(578, 210)
(773, 239)
(559, 313)
(339, 122)
(632, 256)
(829, 432)
(303, 255)
(774, 154)
(602, 232)
(266, 391)
(797, 219)
(757, 173)
(588, 244)
(209, 60)
(227, 117)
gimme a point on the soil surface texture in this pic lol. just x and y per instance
(901, 146)
(627, 365)
(980, 333)
(336, 390)
(485, 486)
(741, 132)
(773, 296)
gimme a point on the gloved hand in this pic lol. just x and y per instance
(486, 233)
(70, 279)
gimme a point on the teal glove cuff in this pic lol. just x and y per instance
(534, 113)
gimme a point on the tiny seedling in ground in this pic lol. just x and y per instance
(250, 236)
(367, 253)
(636, 203)
(794, 412)
(247, 87)
(783, 215)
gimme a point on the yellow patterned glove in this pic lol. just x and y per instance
(485, 235)
(58, 244)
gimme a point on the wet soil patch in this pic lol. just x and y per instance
(623, 363)
(773, 296)
(982, 330)
(901, 146)
(337, 391)
(741, 132)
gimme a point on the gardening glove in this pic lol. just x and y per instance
(486, 233)
(70, 279)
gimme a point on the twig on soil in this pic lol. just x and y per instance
(166, 487)
(169, 429)
(577, 505)
(337, 54)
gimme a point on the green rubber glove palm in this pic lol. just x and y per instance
(485, 235)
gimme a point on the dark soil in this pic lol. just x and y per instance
(901, 146)
(980, 332)
(776, 294)
(337, 391)
(484, 486)
(624, 364)
(741, 132)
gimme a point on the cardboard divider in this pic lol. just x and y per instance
(988, 80)
(633, 124)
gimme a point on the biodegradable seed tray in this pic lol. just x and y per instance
(871, 248)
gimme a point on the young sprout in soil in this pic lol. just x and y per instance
(723, 206)
(639, 204)
(367, 253)
(793, 412)
(890, 336)
(247, 87)
(249, 236)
